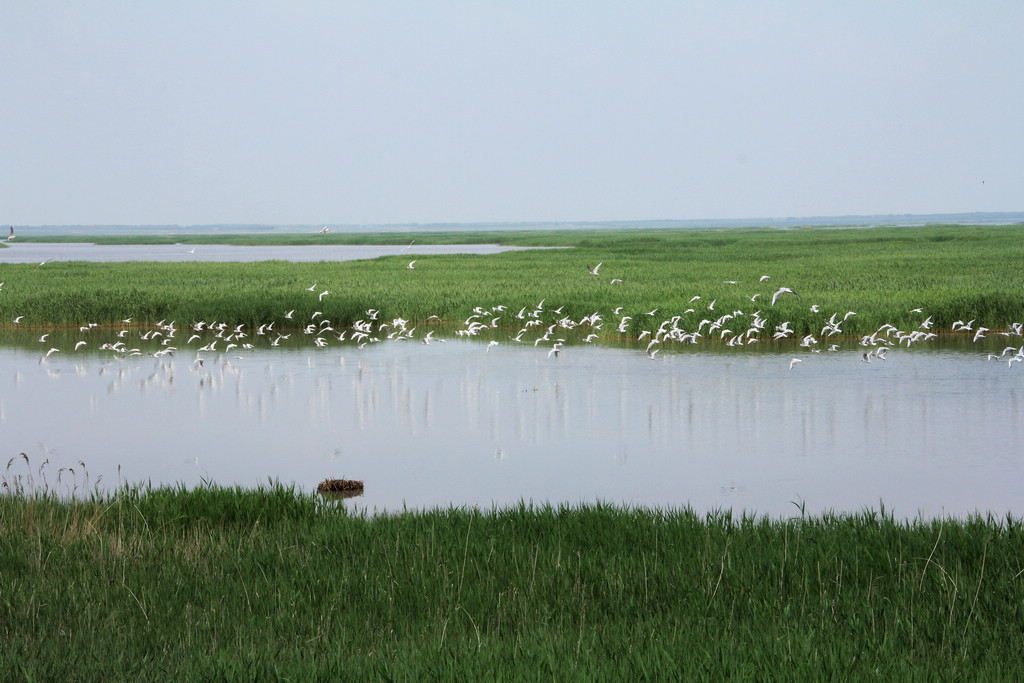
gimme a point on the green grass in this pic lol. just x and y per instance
(953, 272)
(231, 584)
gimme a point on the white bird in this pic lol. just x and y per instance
(616, 280)
(324, 230)
(289, 314)
(783, 290)
(18, 319)
(765, 277)
(311, 287)
(593, 271)
(410, 264)
(793, 362)
(52, 351)
(43, 338)
(490, 344)
(79, 345)
(323, 294)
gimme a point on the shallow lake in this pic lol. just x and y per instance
(931, 431)
(38, 252)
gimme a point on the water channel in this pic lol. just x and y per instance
(40, 252)
(930, 431)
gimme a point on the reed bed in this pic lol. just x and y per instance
(278, 584)
(882, 274)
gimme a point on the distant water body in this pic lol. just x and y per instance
(847, 221)
(40, 252)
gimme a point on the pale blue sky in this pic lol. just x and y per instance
(389, 112)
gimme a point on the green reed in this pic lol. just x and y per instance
(273, 583)
(882, 274)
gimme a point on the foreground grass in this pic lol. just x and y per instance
(221, 583)
(883, 274)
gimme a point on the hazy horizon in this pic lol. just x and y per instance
(192, 113)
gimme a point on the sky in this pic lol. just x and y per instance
(195, 112)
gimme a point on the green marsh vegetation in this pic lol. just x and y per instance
(273, 584)
(951, 272)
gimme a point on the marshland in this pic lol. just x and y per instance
(585, 470)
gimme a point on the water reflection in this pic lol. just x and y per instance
(932, 431)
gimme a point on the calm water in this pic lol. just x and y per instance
(30, 252)
(927, 431)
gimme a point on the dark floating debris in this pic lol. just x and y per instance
(346, 487)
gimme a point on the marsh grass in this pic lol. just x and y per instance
(274, 583)
(952, 272)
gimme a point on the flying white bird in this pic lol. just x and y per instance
(593, 271)
(410, 264)
(783, 290)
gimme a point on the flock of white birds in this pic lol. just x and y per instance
(545, 327)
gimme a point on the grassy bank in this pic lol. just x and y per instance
(233, 584)
(883, 274)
